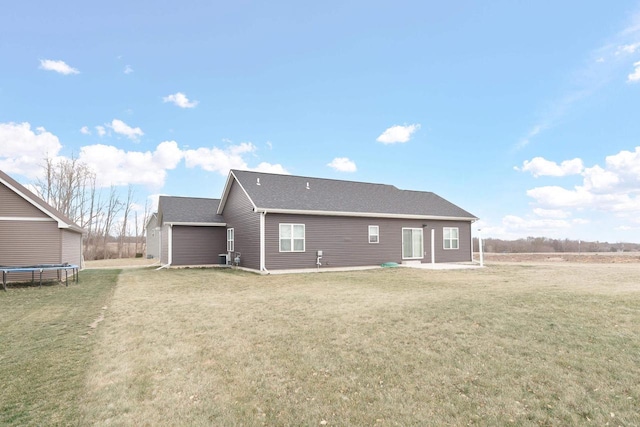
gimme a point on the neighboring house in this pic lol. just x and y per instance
(192, 231)
(152, 247)
(274, 222)
(32, 232)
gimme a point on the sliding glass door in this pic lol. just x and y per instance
(412, 243)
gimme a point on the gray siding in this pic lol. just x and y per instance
(463, 253)
(29, 243)
(239, 215)
(28, 236)
(164, 245)
(71, 247)
(152, 248)
(198, 245)
(15, 206)
(345, 241)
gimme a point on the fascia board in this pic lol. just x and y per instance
(198, 224)
(227, 189)
(364, 214)
(225, 192)
(61, 223)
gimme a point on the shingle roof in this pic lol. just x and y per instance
(298, 193)
(63, 220)
(189, 210)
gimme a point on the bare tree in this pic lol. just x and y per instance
(141, 236)
(113, 206)
(70, 186)
(123, 230)
(67, 186)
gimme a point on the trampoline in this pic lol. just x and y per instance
(33, 269)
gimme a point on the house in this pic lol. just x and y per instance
(192, 232)
(152, 230)
(269, 222)
(32, 232)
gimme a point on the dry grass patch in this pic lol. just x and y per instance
(526, 345)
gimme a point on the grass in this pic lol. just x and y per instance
(509, 344)
(46, 347)
(524, 345)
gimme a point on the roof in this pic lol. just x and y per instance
(297, 194)
(189, 211)
(153, 217)
(46, 208)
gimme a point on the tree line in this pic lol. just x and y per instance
(113, 227)
(544, 244)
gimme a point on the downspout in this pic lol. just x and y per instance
(169, 249)
(263, 215)
(433, 246)
(480, 247)
(471, 238)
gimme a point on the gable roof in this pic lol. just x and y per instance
(189, 211)
(297, 194)
(62, 220)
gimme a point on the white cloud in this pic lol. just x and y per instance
(512, 227)
(114, 166)
(85, 130)
(614, 188)
(626, 163)
(343, 164)
(635, 76)
(533, 226)
(270, 168)
(628, 48)
(57, 66)
(539, 166)
(180, 99)
(23, 150)
(122, 128)
(559, 197)
(535, 130)
(551, 213)
(128, 69)
(396, 134)
(222, 160)
(598, 180)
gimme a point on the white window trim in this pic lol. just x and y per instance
(231, 242)
(377, 234)
(457, 239)
(421, 246)
(292, 239)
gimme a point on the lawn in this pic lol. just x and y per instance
(46, 345)
(509, 344)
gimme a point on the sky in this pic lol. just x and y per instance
(525, 115)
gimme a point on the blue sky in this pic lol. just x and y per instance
(526, 115)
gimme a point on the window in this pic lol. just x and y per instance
(412, 247)
(450, 237)
(291, 237)
(230, 240)
(374, 234)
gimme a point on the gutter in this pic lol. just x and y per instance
(364, 214)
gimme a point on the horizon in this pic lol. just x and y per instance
(524, 118)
